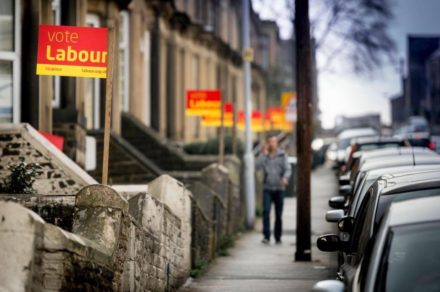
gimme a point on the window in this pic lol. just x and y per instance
(410, 259)
(146, 51)
(195, 83)
(9, 61)
(6, 91)
(92, 90)
(124, 61)
(56, 10)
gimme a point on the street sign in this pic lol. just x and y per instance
(257, 121)
(248, 55)
(203, 102)
(80, 52)
(72, 51)
(288, 102)
(213, 119)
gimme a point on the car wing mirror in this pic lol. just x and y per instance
(329, 242)
(344, 179)
(329, 286)
(337, 202)
(345, 190)
(334, 215)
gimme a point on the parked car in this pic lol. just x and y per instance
(349, 205)
(356, 232)
(345, 137)
(417, 132)
(366, 144)
(360, 157)
(393, 260)
(421, 158)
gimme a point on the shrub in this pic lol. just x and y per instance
(210, 147)
(21, 178)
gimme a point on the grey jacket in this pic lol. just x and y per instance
(274, 169)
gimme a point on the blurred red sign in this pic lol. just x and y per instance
(57, 141)
(203, 102)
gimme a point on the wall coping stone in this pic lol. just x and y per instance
(101, 196)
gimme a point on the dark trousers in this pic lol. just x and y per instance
(277, 197)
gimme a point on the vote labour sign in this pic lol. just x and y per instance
(72, 51)
(203, 102)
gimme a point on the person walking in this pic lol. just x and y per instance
(277, 170)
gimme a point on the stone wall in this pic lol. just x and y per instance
(236, 206)
(173, 194)
(203, 245)
(58, 176)
(85, 236)
(56, 210)
(115, 245)
(155, 254)
(42, 257)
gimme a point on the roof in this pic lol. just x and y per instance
(414, 211)
(395, 151)
(416, 159)
(402, 169)
(406, 182)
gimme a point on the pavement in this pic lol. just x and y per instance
(253, 266)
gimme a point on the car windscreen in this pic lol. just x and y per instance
(369, 147)
(344, 143)
(411, 259)
(424, 142)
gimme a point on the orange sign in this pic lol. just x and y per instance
(72, 51)
(214, 119)
(257, 121)
(203, 102)
(288, 102)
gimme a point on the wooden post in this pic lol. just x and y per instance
(221, 145)
(234, 129)
(304, 130)
(108, 102)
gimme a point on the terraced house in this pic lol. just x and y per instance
(164, 48)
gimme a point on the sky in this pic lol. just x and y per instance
(341, 91)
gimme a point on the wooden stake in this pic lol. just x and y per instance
(108, 102)
(234, 130)
(221, 146)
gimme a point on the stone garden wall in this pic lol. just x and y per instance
(73, 234)
(58, 174)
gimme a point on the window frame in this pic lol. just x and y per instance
(56, 101)
(14, 56)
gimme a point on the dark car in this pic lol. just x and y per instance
(360, 157)
(350, 204)
(403, 256)
(422, 158)
(366, 144)
(356, 232)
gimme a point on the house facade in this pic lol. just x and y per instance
(163, 49)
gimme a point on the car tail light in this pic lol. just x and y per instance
(432, 145)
